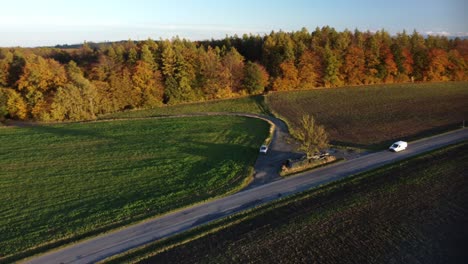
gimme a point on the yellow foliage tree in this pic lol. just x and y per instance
(15, 106)
(312, 137)
(147, 84)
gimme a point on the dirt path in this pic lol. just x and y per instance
(282, 147)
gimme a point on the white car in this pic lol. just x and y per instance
(264, 149)
(398, 146)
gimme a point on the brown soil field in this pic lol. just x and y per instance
(373, 116)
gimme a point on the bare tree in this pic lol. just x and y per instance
(313, 137)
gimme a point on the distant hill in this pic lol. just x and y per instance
(107, 43)
(93, 45)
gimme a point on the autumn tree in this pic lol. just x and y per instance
(312, 137)
(147, 84)
(389, 69)
(15, 69)
(354, 68)
(109, 61)
(132, 57)
(372, 56)
(153, 48)
(172, 92)
(41, 74)
(301, 40)
(102, 70)
(6, 58)
(255, 78)
(438, 65)
(120, 93)
(67, 104)
(87, 89)
(407, 62)
(309, 70)
(277, 48)
(342, 42)
(233, 63)
(168, 59)
(213, 77)
(457, 67)
(3, 104)
(85, 55)
(177, 72)
(184, 75)
(103, 97)
(147, 57)
(404, 62)
(288, 79)
(77, 100)
(420, 56)
(12, 104)
(332, 76)
(40, 80)
(119, 57)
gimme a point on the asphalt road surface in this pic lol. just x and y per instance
(119, 241)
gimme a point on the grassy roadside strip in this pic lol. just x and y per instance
(270, 133)
(313, 166)
(144, 252)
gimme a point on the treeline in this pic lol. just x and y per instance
(50, 84)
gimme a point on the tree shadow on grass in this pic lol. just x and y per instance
(63, 131)
(216, 153)
(260, 102)
(221, 157)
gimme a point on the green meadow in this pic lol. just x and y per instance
(59, 183)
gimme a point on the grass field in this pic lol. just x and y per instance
(250, 104)
(373, 116)
(71, 180)
(410, 212)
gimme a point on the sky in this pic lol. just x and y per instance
(32, 23)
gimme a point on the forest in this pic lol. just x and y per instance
(81, 82)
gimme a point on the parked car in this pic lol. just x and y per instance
(398, 146)
(264, 149)
(320, 155)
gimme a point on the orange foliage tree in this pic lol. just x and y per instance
(289, 78)
(354, 66)
(438, 65)
(391, 69)
(309, 69)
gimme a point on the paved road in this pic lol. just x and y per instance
(106, 245)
